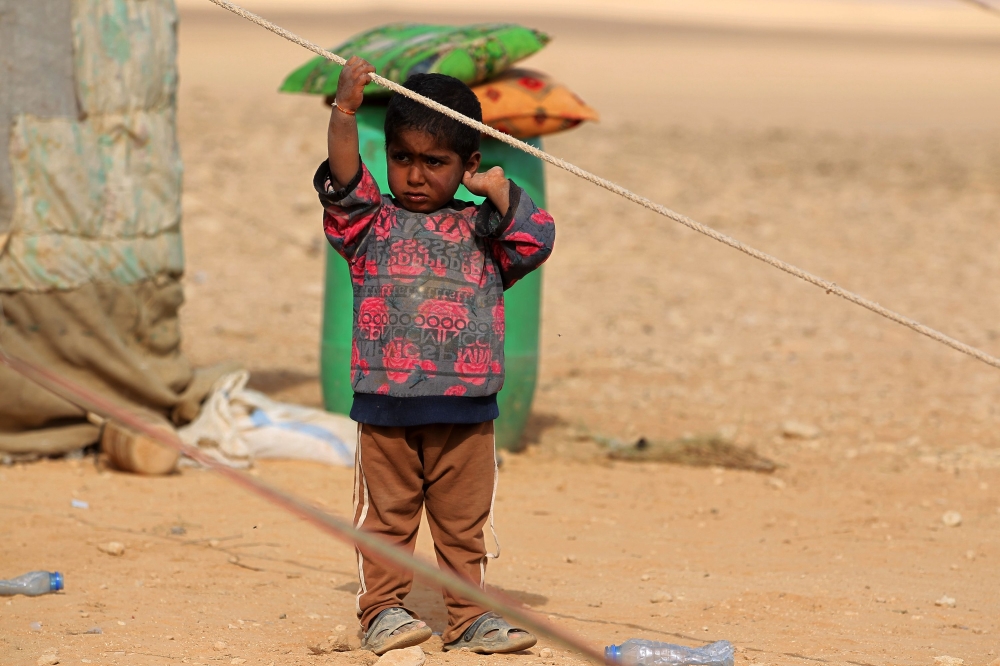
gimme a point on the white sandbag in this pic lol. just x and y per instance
(237, 425)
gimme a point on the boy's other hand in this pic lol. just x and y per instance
(492, 184)
(355, 75)
(483, 184)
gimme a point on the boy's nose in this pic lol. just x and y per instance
(415, 176)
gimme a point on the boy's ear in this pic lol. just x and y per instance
(472, 164)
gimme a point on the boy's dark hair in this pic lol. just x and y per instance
(405, 114)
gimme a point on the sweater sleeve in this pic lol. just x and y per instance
(348, 213)
(519, 241)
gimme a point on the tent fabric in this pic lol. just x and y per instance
(96, 200)
(90, 191)
(97, 193)
(122, 341)
(42, 85)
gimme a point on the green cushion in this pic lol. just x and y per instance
(471, 53)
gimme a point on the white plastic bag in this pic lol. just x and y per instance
(237, 425)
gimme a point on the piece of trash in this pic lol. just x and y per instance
(91, 631)
(945, 601)
(798, 430)
(79, 504)
(952, 518)
(695, 450)
(32, 584)
(113, 548)
(545, 653)
(945, 660)
(178, 530)
(636, 652)
(661, 597)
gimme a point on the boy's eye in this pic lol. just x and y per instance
(400, 157)
(433, 161)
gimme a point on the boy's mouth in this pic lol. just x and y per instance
(416, 197)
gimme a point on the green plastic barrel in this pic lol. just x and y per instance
(522, 303)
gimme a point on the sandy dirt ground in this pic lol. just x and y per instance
(872, 160)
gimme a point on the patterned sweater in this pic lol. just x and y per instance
(428, 287)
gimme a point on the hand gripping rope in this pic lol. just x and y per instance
(826, 285)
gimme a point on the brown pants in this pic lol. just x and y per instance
(450, 470)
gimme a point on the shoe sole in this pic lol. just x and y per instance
(513, 645)
(400, 641)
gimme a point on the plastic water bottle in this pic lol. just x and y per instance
(636, 652)
(32, 584)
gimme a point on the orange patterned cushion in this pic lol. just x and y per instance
(525, 103)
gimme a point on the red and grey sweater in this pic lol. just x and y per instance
(428, 295)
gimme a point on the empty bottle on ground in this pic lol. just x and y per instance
(32, 584)
(636, 652)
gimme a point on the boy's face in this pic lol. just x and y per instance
(424, 174)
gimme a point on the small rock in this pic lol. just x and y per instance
(970, 555)
(797, 430)
(220, 646)
(945, 660)
(569, 559)
(315, 616)
(335, 643)
(115, 548)
(661, 597)
(645, 577)
(545, 653)
(952, 518)
(338, 640)
(47, 660)
(237, 660)
(214, 543)
(775, 482)
(945, 601)
(411, 656)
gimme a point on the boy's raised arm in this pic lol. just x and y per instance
(342, 135)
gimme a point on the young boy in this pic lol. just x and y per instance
(429, 273)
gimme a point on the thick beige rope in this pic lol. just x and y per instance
(829, 287)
